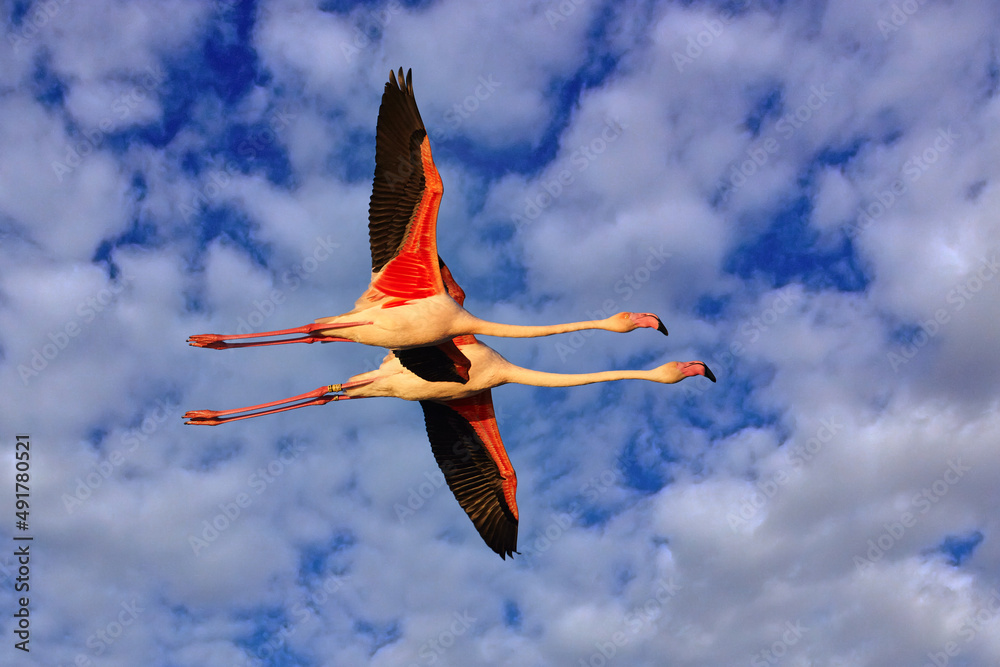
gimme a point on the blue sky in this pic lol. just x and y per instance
(801, 191)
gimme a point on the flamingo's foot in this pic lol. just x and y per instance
(201, 415)
(206, 421)
(214, 341)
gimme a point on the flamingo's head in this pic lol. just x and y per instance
(675, 371)
(625, 322)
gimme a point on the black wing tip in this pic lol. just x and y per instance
(498, 528)
(508, 553)
(404, 84)
(507, 546)
(472, 476)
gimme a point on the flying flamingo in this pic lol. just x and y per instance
(459, 417)
(461, 424)
(406, 304)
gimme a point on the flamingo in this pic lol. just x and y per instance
(406, 304)
(458, 414)
(460, 421)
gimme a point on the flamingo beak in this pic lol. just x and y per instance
(648, 320)
(693, 368)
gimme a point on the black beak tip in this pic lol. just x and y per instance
(709, 374)
(662, 329)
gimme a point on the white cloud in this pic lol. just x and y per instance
(806, 494)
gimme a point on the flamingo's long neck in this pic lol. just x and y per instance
(527, 376)
(487, 328)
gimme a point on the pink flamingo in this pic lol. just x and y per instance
(458, 412)
(461, 424)
(406, 304)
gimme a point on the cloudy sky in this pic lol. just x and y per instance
(806, 194)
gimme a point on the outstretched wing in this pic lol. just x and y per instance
(402, 214)
(467, 446)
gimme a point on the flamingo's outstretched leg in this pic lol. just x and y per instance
(218, 341)
(319, 396)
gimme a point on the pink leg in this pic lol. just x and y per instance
(218, 342)
(315, 397)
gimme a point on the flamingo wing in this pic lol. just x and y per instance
(453, 289)
(436, 363)
(468, 448)
(406, 193)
